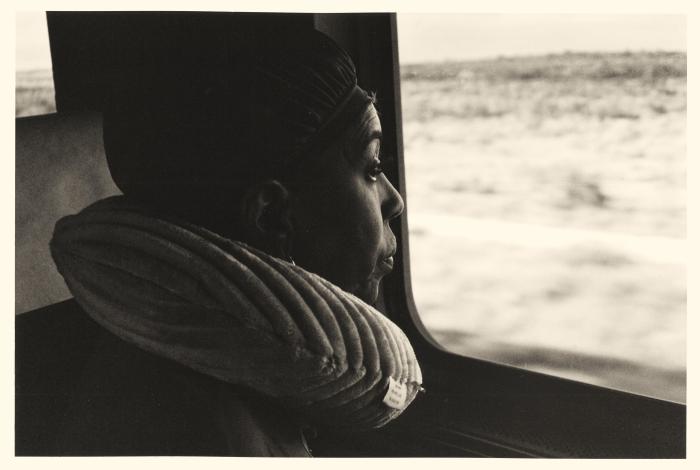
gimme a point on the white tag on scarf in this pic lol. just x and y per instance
(396, 395)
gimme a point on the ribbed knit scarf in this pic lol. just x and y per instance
(236, 313)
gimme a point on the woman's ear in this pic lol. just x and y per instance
(267, 217)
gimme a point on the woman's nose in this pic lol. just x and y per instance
(392, 204)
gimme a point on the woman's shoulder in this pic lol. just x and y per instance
(82, 391)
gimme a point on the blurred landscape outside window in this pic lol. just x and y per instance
(34, 89)
(545, 170)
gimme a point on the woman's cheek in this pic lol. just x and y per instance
(371, 226)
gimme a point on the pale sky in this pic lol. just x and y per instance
(32, 47)
(430, 37)
(437, 37)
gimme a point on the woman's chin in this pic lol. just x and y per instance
(368, 292)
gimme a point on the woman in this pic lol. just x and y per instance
(207, 342)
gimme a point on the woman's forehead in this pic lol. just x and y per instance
(365, 130)
(370, 126)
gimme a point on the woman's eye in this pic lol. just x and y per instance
(374, 170)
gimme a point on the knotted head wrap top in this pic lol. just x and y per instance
(257, 110)
(238, 314)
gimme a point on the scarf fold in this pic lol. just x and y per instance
(236, 313)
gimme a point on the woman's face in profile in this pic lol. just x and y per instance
(342, 210)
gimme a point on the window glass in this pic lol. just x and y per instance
(545, 171)
(34, 90)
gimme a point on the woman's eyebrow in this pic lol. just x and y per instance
(375, 134)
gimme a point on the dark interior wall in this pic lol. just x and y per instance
(98, 55)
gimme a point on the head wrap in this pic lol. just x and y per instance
(255, 110)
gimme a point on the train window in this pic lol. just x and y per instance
(34, 88)
(546, 192)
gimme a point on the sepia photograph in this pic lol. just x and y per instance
(357, 234)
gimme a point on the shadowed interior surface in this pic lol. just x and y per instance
(60, 168)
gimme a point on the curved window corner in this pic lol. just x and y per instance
(546, 192)
(34, 87)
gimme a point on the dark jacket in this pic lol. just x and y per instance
(82, 391)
